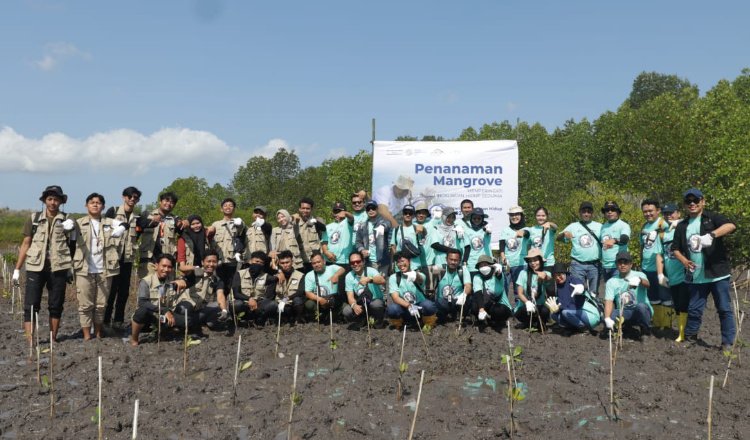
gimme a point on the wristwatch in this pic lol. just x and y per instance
(712, 234)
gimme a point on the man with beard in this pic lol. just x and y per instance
(321, 288)
(364, 288)
(454, 288)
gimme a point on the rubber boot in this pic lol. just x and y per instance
(667, 317)
(429, 320)
(396, 323)
(656, 320)
(681, 323)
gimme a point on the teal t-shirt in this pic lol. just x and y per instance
(493, 286)
(541, 297)
(446, 238)
(340, 240)
(651, 243)
(324, 280)
(696, 252)
(451, 285)
(371, 244)
(352, 284)
(674, 270)
(546, 244)
(619, 291)
(410, 233)
(360, 218)
(585, 246)
(479, 244)
(405, 289)
(614, 230)
(428, 253)
(515, 247)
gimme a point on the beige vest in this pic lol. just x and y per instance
(252, 288)
(225, 230)
(284, 290)
(189, 246)
(202, 293)
(52, 245)
(282, 240)
(256, 241)
(110, 246)
(128, 240)
(310, 238)
(165, 231)
(170, 297)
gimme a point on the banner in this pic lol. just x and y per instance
(444, 173)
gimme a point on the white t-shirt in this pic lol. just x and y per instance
(96, 256)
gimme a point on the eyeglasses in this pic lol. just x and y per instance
(134, 197)
(371, 208)
(357, 202)
(692, 201)
(590, 211)
(355, 262)
(610, 210)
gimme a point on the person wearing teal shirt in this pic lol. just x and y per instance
(532, 288)
(339, 232)
(364, 291)
(652, 236)
(514, 243)
(671, 272)
(699, 245)
(358, 212)
(490, 299)
(476, 239)
(408, 301)
(424, 226)
(408, 231)
(542, 236)
(585, 255)
(625, 295)
(441, 239)
(614, 237)
(454, 288)
(321, 286)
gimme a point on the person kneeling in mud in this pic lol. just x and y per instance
(158, 295)
(321, 287)
(364, 288)
(254, 290)
(454, 288)
(574, 308)
(407, 295)
(489, 300)
(206, 293)
(290, 289)
(533, 286)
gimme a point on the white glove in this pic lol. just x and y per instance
(411, 276)
(258, 223)
(577, 289)
(663, 280)
(530, 307)
(673, 223)
(237, 221)
(706, 240)
(16, 277)
(488, 229)
(651, 236)
(414, 310)
(198, 271)
(379, 230)
(281, 305)
(118, 231)
(634, 282)
(68, 224)
(459, 231)
(238, 257)
(498, 267)
(223, 315)
(483, 315)
(461, 300)
(116, 223)
(552, 305)
(312, 221)
(609, 323)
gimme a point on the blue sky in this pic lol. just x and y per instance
(96, 96)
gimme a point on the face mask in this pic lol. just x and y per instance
(255, 269)
(485, 270)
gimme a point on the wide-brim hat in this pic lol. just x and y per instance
(54, 190)
(404, 182)
(483, 259)
(515, 210)
(534, 253)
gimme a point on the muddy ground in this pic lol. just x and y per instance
(350, 393)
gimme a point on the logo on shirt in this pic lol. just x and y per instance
(537, 242)
(449, 240)
(627, 299)
(511, 245)
(586, 241)
(448, 293)
(477, 243)
(409, 297)
(335, 237)
(323, 291)
(694, 243)
(648, 239)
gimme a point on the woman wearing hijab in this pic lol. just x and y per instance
(192, 246)
(283, 239)
(532, 288)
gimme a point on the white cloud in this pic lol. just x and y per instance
(124, 151)
(57, 53)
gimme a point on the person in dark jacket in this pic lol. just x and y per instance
(372, 239)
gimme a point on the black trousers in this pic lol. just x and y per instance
(118, 294)
(35, 284)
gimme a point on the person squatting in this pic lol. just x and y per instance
(432, 266)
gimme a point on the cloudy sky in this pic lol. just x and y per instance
(96, 96)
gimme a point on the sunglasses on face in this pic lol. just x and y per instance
(371, 208)
(355, 262)
(587, 211)
(357, 202)
(692, 201)
(610, 210)
(134, 197)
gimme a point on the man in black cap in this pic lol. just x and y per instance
(337, 244)
(586, 251)
(699, 245)
(614, 236)
(626, 297)
(373, 238)
(46, 250)
(259, 232)
(406, 238)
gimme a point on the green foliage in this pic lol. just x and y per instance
(11, 225)
(517, 394)
(296, 398)
(649, 85)
(197, 197)
(246, 365)
(402, 367)
(517, 350)
(333, 345)
(96, 416)
(427, 329)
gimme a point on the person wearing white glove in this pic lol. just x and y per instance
(453, 288)
(414, 310)
(407, 289)
(626, 296)
(488, 229)
(119, 229)
(68, 224)
(489, 297)
(237, 221)
(552, 305)
(663, 280)
(16, 277)
(228, 234)
(459, 230)
(578, 289)
(575, 307)
(364, 288)
(533, 286)
(258, 222)
(609, 323)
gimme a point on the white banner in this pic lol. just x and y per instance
(444, 173)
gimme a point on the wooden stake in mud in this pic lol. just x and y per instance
(51, 380)
(510, 397)
(135, 420)
(38, 354)
(416, 408)
(185, 349)
(330, 317)
(511, 357)
(99, 408)
(732, 354)
(292, 399)
(612, 414)
(367, 318)
(461, 313)
(234, 314)
(400, 369)
(158, 327)
(736, 303)
(278, 334)
(426, 347)
(236, 369)
(31, 336)
(710, 404)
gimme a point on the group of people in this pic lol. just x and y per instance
(432, 265)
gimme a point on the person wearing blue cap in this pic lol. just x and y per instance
(671, 272)
(699, 245)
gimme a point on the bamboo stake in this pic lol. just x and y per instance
(185, 349)
(367, 318)
(416, 409)
(612, 415)
(461, 316)
(38, 353)
(401, 362)
(511, 380)
(278, 334)
(31, 335)
(100, 400)
(135, 420)
(13, 300)
(736, 303)
(292, 398)
(51, 380)
(710, 404)
(731, 353)
(236, 369)
(511, 363)
(158, 329)
(330, 316)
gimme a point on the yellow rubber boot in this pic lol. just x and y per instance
(668, 317)
(396, 323)
(681, 323)
(656, 319)
(429, 320)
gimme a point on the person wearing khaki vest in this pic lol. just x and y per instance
(159, 231)
(120, 289)
(194, 243)
(230, 234)
(158, 295)
(46, 253)
(206, 293)
(308, 231)
(95, 262)
(254, 289)
(290, 290)
(259, 232)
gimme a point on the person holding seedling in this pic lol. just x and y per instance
(408, 300)
(490, 300)
(533, 286)
(626, 296)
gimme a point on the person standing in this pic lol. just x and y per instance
(614, 237)
(585, 254)
(159, 231)
(230, 234)
(259, 232)
(514, 244)
(542, 236)
(46, 251)
(308, 231)
(671, 272)
(120, 289)
(373, 239)
(194, 243)
(652, 235)
(358, 212)
(339, 232)
(699, 245)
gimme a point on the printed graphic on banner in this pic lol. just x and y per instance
(441, 174)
